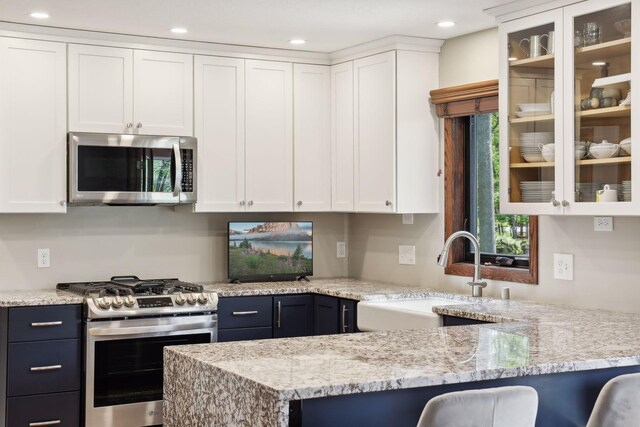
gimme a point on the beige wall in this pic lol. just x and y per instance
(607, 265)
(93, 243)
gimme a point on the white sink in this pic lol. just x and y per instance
(402, 314)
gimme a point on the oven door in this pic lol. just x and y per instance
(130, 169)
(123, 366)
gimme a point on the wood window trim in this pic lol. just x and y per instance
(454, 182)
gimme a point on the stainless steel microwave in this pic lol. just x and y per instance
(111, 169)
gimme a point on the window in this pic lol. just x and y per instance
(508, 243)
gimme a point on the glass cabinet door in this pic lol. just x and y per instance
(531, 144)
(599, 107)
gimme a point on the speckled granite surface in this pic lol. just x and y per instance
(529, 339)
(24, 298)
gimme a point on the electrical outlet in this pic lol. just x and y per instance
(43, 258)
(341, 250)
(563, 266)
(407, 255)
(407, 219)
(603, 223)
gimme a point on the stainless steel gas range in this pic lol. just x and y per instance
(127, 323)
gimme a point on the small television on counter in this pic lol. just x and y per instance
(267, 251)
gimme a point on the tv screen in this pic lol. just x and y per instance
(270, 250)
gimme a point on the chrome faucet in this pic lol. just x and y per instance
(476, 284)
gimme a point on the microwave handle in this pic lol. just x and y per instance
(177, 185)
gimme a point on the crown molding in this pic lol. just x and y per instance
(521, 8)
(385, 44)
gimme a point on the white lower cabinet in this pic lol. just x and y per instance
(32, 126)
(311, 136)
(219, 127)
(269, 136)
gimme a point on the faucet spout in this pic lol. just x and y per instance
(476, 284)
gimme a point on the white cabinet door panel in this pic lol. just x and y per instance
(32, 126)
(163, 93)
(375, 133)
(311, 135)
(100, 89)
(269, 135)
(342, 137)
(219, 127)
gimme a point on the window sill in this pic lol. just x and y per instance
(505, 274)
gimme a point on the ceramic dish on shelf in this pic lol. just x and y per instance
(523, 114)
(604, 150)
(625, 146)
(540, 107)
(623, 27)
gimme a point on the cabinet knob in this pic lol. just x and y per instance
(241, 202)
(63, 202)
(388, 203)
(139, 125)
(555, 203)
(250, 202)
(129, 125)
(299, 202)
(565, 203)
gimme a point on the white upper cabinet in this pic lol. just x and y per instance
(311, 135)
(100, 89)
(219, 127)
(163, 93)
(269, 135)
(32, 126)
(375, 135)
(342, 137)
(116, 90)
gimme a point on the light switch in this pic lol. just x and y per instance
(407, 254)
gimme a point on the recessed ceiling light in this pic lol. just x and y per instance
(446, 24)
(297, 41)
(179, 30)
(39, 15)
(598, 63)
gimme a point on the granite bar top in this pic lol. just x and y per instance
(528, 339)
(24, 298)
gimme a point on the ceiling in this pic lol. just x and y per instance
(327, 25)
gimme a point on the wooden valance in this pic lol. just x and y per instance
(465, 100)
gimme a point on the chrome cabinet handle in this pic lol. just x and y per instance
(43, 324)
(387, 203)
(45, 368)
(344, 318)
(45, 423)
(565, 203)
(279, 313)
(300, 203)
(244, 313)
(177, 186)
(555, 203)
(241, 202)
(250, 202)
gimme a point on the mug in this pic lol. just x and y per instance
(535, 45)
(606, 195)
(550, 42)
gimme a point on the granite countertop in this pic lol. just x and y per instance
(23, 298)
(528, 339)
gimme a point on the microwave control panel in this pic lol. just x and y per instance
(187, 171)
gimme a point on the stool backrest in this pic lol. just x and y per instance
(618, 403)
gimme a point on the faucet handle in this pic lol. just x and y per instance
(476, 288)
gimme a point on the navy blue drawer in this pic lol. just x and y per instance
(63, 407)
(244, 312)
(43, 367)
(241, 334)
(460, 321)
(52, 322)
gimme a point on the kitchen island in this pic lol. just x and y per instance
(385, 378)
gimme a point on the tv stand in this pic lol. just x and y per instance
(305, 278)
(236, 282)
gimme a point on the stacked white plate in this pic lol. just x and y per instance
(530, 145)
(537, 191)
(626, 191)
(587, 191)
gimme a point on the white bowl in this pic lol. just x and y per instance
(599, 151)
(549, 157)
(625, 145)
(580, 153)
(534, 107)
(531, 158)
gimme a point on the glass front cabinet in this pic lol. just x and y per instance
(566, 123)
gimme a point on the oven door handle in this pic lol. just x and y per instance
(138, 330)
(177, 185)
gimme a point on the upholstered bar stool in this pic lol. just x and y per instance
(618, 403)
(514, 406)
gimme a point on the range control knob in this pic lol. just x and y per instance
(202, 298)
(191, 299)
(104, 303)
(129, 301)
(180, 299)
(213, 298)
(117, 302)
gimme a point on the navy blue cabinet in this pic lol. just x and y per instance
(292, 316)
(460, 321)
(245, 318)
(334, 315)
(348, 317)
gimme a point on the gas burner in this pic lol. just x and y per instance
(130, 285)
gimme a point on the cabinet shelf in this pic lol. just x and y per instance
(587, 162)
(599, 52)
(544, 61)
(541, 118)
(619, 111)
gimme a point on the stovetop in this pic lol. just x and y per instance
(129, 296)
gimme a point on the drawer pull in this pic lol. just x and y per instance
(44, 324)
(45, 423)
(45, 368)
(244, 313)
